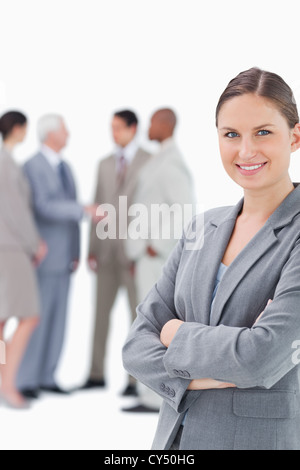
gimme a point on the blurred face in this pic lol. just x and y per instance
(155, 129)
(122, 133)
(255, 142)
(20, 132)
(58, 139)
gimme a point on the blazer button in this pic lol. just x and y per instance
(172, 393)
(163, 387)
(175, 371)
(186, 373)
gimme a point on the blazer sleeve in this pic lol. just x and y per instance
(248, 357)
(18, 214)
(93, 240)
(47, 207)
(143, 353)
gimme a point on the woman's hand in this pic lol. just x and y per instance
(208, 384)
(40, 254)
(167, 334)
(166, 337)
(169, 331)
(269, 301)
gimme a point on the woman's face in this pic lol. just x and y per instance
(255, 141)
(20, 132)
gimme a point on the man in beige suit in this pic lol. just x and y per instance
(117, 177)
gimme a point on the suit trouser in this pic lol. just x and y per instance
(109, 280)
(148, 272)
(44, 349)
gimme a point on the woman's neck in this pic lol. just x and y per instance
(9, 144)
(262, 203)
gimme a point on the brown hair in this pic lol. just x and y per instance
(265, 84)
(9, 120)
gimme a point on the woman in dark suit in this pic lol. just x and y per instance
(215, 337)
(20, 249)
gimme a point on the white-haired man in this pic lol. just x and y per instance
(57, 214)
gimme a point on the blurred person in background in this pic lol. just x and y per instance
(117, 176)
(21, 250)
(165, 180)
(57, 214)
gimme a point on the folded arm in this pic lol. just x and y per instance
(143, 352)
(248, 357)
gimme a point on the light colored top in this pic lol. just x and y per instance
(221, 272)
(51, 156)
(128, 152)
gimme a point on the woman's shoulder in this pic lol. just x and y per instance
(216, 214)
(194, 233)
(5, 158)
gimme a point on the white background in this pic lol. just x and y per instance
(86, 59)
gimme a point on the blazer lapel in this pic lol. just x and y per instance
(238, 269)
(132, 171)
(51, 173)
(253, 251)
(207, 263)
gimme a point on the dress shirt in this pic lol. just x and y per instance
(53, 157)
(128, 152)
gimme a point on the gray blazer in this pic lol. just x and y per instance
(56, 213)
(108, 192)
(17, 227)
(263, 411)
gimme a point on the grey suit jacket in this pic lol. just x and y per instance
(263, 411)
(56, 213)
(108, 192)
(18, 231)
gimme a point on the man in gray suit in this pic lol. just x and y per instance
(57, 214)
(117, 177)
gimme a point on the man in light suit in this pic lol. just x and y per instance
(165, 180)
(57, 214)
(117, 176)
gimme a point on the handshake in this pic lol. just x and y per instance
(94, 212)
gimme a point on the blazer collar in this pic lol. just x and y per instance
(283, 215)
(217, 237)
(287, 210)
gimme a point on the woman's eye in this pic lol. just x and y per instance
(231, 135)
(264, 132)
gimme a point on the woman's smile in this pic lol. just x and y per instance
(249, 170)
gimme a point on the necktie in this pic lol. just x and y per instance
(64, 177)
(121, 170)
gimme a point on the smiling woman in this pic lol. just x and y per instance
(215, 336)
(257, 143)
